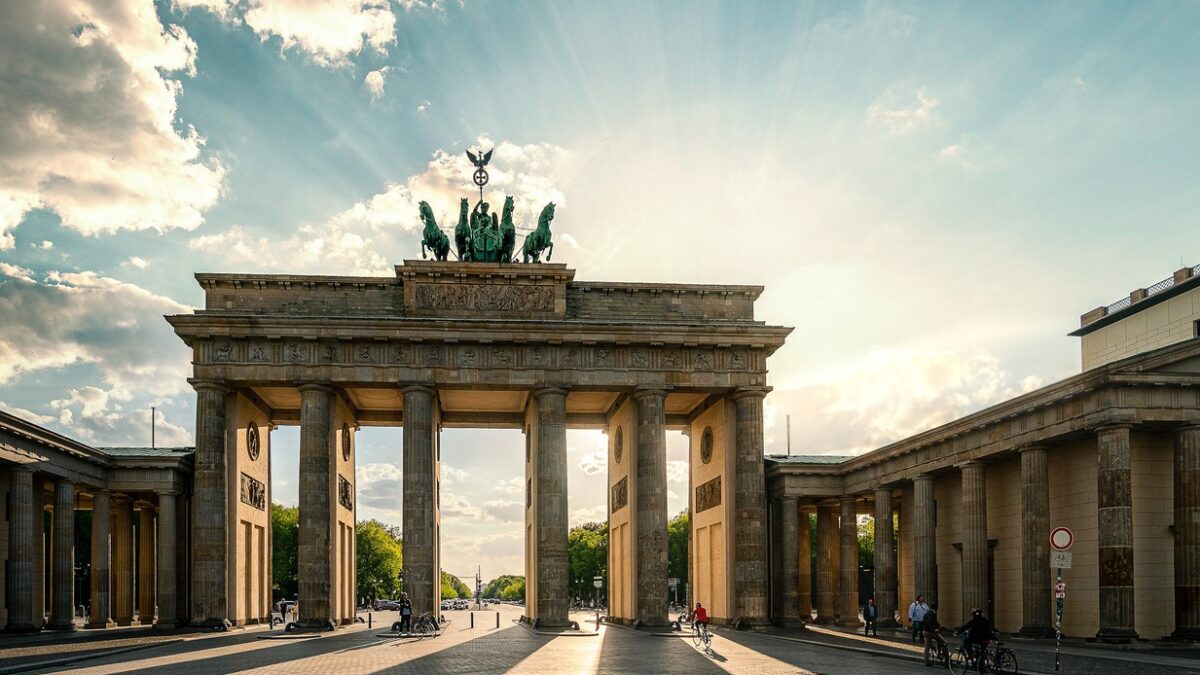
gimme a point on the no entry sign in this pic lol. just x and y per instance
(1061, 539)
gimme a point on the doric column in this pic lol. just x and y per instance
(554, 572)
(1187, 533)
(848, 579)
(122, 562)
(827, 563)
(101, 608)
(21, 514)
(62, 613)
(1115, 524)
(750, 509)
(650, 508)
(168, 609)
(421, 577)
(146, 598)
(974, 538)
(885, 558)
(924, 541)
(789, 528)
(210, 526)
(1035, 543)
(314, 554)
(804, 589)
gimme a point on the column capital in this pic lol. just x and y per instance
(789, 498)
(63, 481)
(1187, 427)
(1119, 426)
(22, 468)
(418, 388)
(641, 393)
(167, 493)
(316, 386)
(922, 478)
(970, 464)
(747, 392)
(218, 386)
(888, 488)
(544, 391)
(1029, 448)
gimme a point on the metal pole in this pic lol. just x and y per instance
(153, 410)
(1058, 612)
(789, 435)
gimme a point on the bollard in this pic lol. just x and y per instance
(497, 619)
(368, 620)
(472, 619)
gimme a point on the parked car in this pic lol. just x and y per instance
(387, 606)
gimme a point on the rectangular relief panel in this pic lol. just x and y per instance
(708, 495)
(620, 494)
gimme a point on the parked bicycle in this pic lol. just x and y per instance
(425, 625)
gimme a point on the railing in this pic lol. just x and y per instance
(1150, 291)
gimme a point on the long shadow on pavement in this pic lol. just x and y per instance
(628, 651)
(495, 652)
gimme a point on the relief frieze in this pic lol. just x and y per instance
(484, 298)
(345, 493)
(620, 494)
(254, 492)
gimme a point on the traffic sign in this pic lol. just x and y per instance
(1060, 590)
(1060, 560)
(597, 581)
(1061, 539)
(673, 582)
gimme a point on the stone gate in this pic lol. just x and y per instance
(449, 344)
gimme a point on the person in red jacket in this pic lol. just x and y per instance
(700, 616)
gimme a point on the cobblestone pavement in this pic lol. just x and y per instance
(510, 648)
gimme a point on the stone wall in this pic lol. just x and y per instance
(1153, 540)
(622, 433)
(249, 499)
(1158, 325)
(711, 527)
(1072, 472)
(1004, 527)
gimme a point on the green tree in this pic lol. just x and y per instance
(677, 552)
(453, 587)
(285, 526)
(378, 559)
(505, 587)
(587, 556)
(866, 543)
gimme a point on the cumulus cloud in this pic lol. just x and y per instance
(504, 511)
(93, 415)
(368, 237)
(374, 82)
(379, 489)
(591, 514)
(594, 463)
(138, 262)
(893, 394)
(898, 112)
(82, 317)
(88, 124)
(326, 31)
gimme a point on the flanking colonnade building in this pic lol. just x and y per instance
(182, 536)
(962, 513)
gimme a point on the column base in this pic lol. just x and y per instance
(318, 626)
(60, 627)
(1115, 636)
(21, 628)
(791, 622)
(1035, 632)
(129, 623)
(1185, 635)
(212, 624)
(165, 625)
(100, 624)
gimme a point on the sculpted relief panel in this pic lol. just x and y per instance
(406, 354)
(484, 297)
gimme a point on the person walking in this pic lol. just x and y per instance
(916, 614)
(870, 612)
(405, 614)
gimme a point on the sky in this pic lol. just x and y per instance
(931, 193)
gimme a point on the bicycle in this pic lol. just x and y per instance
(941, 651)
(979, 659)
(425, 625)
(1001, 658)
(701, 636)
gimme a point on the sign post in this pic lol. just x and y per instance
(1061, 539)
(597, 582)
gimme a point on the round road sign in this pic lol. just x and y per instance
(1061, 538)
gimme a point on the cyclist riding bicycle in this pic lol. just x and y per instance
(700, 617)
(978, 632)
(935, 644)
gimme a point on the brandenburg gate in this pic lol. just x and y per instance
(447, 344)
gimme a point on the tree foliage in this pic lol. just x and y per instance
(453, 587)
(677, 551)
(379, 559)
(285, 528)
(587, 555)
(505, 587)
